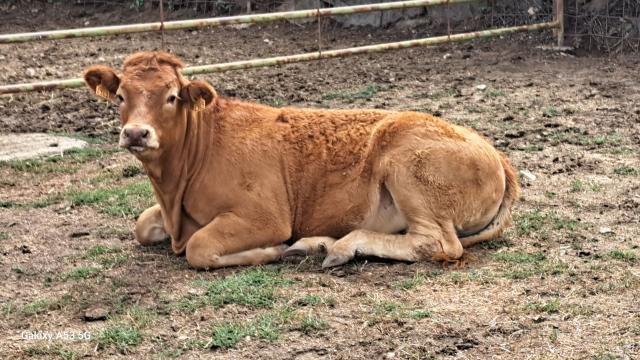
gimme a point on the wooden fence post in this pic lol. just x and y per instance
(558, 11)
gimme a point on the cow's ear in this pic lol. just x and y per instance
(102, 80)
(198, 95)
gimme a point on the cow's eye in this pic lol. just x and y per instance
(171, 99)
(119, 98)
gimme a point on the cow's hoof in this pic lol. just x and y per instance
(293, 251)
(333, 260)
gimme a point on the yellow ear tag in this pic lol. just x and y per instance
(199, 105)
(103, 92)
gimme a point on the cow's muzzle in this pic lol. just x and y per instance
(138, 138)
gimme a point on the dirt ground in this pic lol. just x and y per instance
(563, 283)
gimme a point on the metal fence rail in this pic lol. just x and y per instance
(281, 60)
(220, 21)
(556, 24)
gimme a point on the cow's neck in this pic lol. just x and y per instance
(172, 172)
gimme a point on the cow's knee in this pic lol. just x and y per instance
(150, 227)
(202, 254)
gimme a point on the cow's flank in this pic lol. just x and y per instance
(235, 180)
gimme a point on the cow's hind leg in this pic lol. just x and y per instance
(423, 242)
(150, 227)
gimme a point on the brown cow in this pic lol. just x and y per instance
(234, 180)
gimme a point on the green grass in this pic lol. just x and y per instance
(38, 307)
(124, 201)
(311, 324)
(439, 94)
(140, 317)
(496, 93)
(67, 163)
(8, 308)
(275, 102)
(121, 336)
(520, 258)
(411, 283)
(4, 235)
(522, 265)
(550, 307)
(98, 250)
(266, 326)
(540, 269)
(609, 139)
(529, 222)
(536, 222)
(531, 148)
(107, 256)
(550, 111)
(314, 300)
(227, 335)
(495, 244)
(626, 170)
(35, 204)
(254, 288)
(68, 354)
(365, 93)
(623, 255)
(577, 185)
(420, 314)
(81, 273)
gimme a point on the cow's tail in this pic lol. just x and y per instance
(503, 218)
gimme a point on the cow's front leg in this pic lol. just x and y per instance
(316, 245)
(150, 227)
(230, 240)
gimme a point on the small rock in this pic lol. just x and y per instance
(528, 175)
(25, 249)
(481, 87)
(539, 319)
(584, 253)
(86, 23)
(96, 314)
(514, 134)
(30, 72)
(77, 234)
(446, 56)
(605, 230)
(389, 355)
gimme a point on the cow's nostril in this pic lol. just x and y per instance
(144, 133)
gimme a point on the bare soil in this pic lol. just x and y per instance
(563, 283)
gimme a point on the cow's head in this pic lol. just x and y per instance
(154, 99)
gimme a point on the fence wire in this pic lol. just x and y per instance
(607, 26)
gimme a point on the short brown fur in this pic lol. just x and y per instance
(236, 181)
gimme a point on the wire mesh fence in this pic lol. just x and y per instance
(605, 26)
